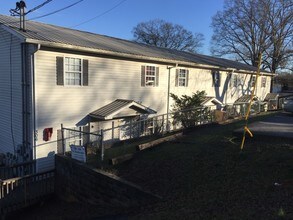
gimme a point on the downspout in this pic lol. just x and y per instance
(25, 112)
(168, 94)
(28, 101)
(33, 106)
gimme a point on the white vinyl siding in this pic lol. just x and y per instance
(11, 93)
(108, 79)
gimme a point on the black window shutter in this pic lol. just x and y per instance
(85, 72)
(157, 76)
(143, 76)
(216, 78)
(60, 70)
(176, 77)
(213, 76)
(187, 77)
(219, 79)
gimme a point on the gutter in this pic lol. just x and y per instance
(33, 100)
(28, 100)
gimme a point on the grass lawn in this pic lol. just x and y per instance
(204, 175)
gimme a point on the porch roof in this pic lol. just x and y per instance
(271, 96)
(245, 99)
(121, 108)
(211, 100)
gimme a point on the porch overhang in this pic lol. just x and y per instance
(245, 99)
(209, 100)
(120, 108)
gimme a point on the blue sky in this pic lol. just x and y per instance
(194, 15)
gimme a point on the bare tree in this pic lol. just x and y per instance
(246, 28)
(167, 35)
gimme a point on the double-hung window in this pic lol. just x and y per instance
(216, 78)
(263, 81)
(234, 80)
(73, 73)
(149, 76)
(252, 81)
(181, 78)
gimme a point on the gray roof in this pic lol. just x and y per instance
(55, 35)
(245, 99)
(113, 109)
(206, 99)
(271, 96)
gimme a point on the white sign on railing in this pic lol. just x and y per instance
(78, 153)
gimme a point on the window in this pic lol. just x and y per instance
(263, 81)
(234, 80)
(149, 76)
(182, 78)
(216, 78)
(72, 71)
(252, 81)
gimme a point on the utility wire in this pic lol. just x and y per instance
(54, 12)
(39, 6)
(100, 15)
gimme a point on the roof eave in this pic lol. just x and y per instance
(97, 117)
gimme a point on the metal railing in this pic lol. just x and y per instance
(158, 125)
(161, 124)
(100, 140)
(80, 138)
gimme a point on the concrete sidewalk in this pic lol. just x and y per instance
(280, 125)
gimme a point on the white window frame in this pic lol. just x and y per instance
(253, 80)
(234, 80)
(182, 79)
(263, 81)
(73, 71)
(150, 79)
(216, 79)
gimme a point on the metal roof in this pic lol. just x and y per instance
(113, 109)
(271, 96)
(245, 99)
(37, 32)
(212, 99)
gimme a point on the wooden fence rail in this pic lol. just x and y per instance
(17, 170)
(17, 193)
